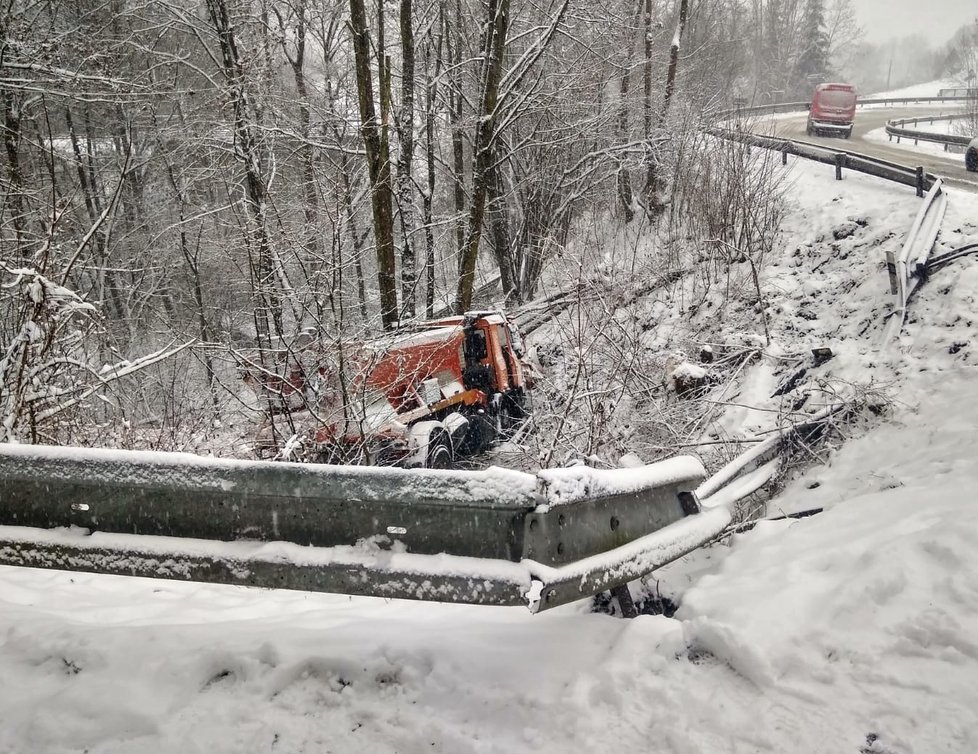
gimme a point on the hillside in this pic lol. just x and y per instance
(850, 631)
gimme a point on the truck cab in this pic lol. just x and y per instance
(421, 396)
(832, 111)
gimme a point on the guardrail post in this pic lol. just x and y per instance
(920, 181)
(840, 160)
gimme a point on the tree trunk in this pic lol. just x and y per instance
(455, 102)
(647, 98)
(249, 151)
(307, 153)
(345, 168)
(625, 196)
(378, 158)
(431, 92)
(405, 192)
(653, 187)
(494, 43)
(11, 140)
(499, 228)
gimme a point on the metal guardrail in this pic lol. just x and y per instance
(494, 537)
(894, 128)
(750, 471)
(788, 107)
(963, 91)
(908, 269)
(840, 158)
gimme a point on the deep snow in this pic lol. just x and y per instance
(851, 631)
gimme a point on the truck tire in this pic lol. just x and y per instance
(971, 160)
(440, 454)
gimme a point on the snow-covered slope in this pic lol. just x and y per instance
(851, 631)
(926, 89)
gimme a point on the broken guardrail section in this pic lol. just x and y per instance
(495, 537)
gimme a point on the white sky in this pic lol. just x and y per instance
(936, 19)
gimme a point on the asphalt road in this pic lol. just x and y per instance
(949, 166)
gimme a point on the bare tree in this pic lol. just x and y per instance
(376, 143)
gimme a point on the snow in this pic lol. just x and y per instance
(564, 486)
(925, 89)
(687, 371)
(850, 631)
(496, 486)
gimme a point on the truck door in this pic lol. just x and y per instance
(476, 349)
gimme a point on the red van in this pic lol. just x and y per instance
(832, 111)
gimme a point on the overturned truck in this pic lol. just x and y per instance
(495, 537)
(422, 397)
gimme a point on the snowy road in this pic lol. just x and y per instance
(949, 166)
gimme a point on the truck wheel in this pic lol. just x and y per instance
(439, 452)
(971, 160)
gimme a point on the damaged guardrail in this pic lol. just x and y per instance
(489, 537)
(750, 471)
(906, 270)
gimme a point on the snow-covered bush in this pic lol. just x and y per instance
(42, 362)
(47, 365)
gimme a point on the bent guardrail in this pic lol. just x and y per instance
(492, 537)
(751, 470)
(908, 268)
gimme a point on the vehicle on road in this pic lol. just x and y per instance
(832, 111)
(971, 156)
(420, 397)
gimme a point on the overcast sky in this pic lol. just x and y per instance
(937, 19)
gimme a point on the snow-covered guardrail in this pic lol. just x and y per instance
(840, 158)
(908, 270)
(496, 537)
(750, 471)
(895, 129)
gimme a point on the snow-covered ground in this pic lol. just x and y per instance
(926, 89)
(855, 630)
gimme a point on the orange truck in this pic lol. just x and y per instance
(832, 111)
(421, 397)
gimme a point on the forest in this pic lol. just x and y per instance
(189, 184)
